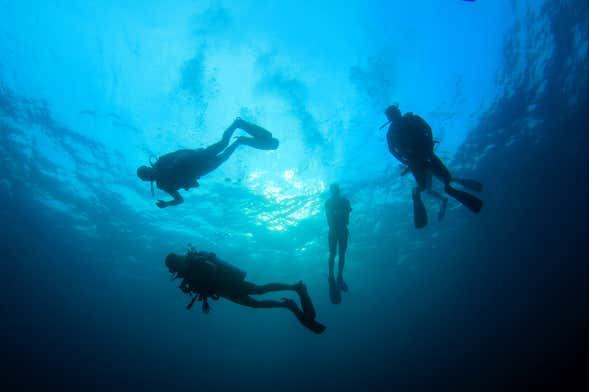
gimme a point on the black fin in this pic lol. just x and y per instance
(306, 303)
(334, 293)
(471, 202)
(419, 213)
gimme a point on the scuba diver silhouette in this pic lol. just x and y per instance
(410, 140)
(205, 276)
(181, 169)
(337, 212)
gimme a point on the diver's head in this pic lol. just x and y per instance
(175, 263)
(334, 189)
(146, 173)
(393, 113)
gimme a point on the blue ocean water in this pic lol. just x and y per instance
(90, 90)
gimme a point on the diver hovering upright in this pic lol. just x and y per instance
(337, 212)
(181, 169)
(205, 276)
(410, 140)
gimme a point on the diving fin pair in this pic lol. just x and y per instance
(261, 138)
(419, 212)
(335, 294)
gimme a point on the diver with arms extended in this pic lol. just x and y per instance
(410, 140)
(337, 212)
(206, 276)
(182, 169)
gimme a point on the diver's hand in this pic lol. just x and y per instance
(162, 203)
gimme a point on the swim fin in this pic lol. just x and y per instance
(419, 213)
(342, 284)
(261, 138)
(253, 129)
(469, 201)
(334, 293)
(313, 325)
(306, 304)
(473, 185)
(259, 143)
(303, 319)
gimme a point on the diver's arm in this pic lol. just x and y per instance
(177, 199)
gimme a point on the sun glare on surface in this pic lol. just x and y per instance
(292, 199)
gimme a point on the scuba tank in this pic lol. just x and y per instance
(224, 269)
(202, 273)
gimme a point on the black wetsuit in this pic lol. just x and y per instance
(410, 140)
(180, 169)
(208, 275)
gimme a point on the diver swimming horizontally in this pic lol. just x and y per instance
(337, 212)
(181, 169)
(410, 140)
(205, 276)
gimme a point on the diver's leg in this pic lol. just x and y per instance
(334, 291)
(211, 162)
(439, 169)
(300, 288)
(419, 213)
(254, 289)
(332, 241)
(428, 180)
(471, 202)
(248, 301)
(216, 148)
(343, 246)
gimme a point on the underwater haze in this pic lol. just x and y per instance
(90, 90)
